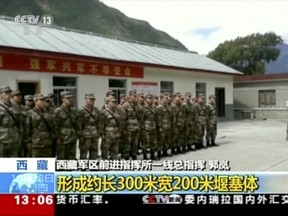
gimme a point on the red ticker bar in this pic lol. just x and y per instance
(26, 205)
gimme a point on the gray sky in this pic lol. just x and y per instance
(201, 25)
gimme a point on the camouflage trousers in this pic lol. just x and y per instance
(165, 140)
(149, 140)
(200, 132)
(89, 145)
(40, 151)
(9, 150)
(66, 151)
(131, 145)
(189, 134)
(110, 148)
(179, 136)
(211, 132)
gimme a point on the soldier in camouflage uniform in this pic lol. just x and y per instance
(195, 123)
(131, 125)
(149, 128)
(109, 93)
(91, 128)
(190, 121)
(211, 122)
(111, 128)
(21, 112)
(123, 139)
(39, 126)
(141, 104)
(29, 101)
(49, 106)
(9, 125)
(155, 101)
(66, 126)
(201, 124)
(178, 124)
(164, 126)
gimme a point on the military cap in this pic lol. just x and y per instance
(110, 92)
(39, 97)
(155, 97)
(212, 96)
(5, 89)
(122, 95)
(187, 94)
(50, 95)
(132, 92)
(148, 95)
(111, 98)
(177, 94)
(16, 92)
(66, 94)
(90, 96)
(28, 97)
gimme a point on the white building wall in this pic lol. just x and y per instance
(184, 81)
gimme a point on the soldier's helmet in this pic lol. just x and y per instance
(5, 89)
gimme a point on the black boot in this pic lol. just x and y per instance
(145, 156)
(152, 155)
(213, 143)
(159, 155)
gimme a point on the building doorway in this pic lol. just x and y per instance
(118, 87)
(220, 101)
(28, 88)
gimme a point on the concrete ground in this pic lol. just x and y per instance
(249, 145)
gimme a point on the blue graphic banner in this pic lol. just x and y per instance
(26, 183)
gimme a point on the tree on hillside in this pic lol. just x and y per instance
(248, 54)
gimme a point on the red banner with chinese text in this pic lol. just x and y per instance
(67, 66)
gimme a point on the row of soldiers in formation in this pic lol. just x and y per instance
(168, 125)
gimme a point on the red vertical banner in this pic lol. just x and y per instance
(27, 205)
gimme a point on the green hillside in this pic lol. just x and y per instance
(91, 16)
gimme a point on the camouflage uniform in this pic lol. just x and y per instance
(131, 127)
(29, 101)
(111, 128)
(178, 126)
(67, 128)
(39, 126)
(164, 127)
(9, 127)
(211, 122)
(190, 121)
(21, 113)
(91, 130)
(123, 138)
(201, 124)
(149, 129)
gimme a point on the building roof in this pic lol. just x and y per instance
(260, 78)
(88, 44)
